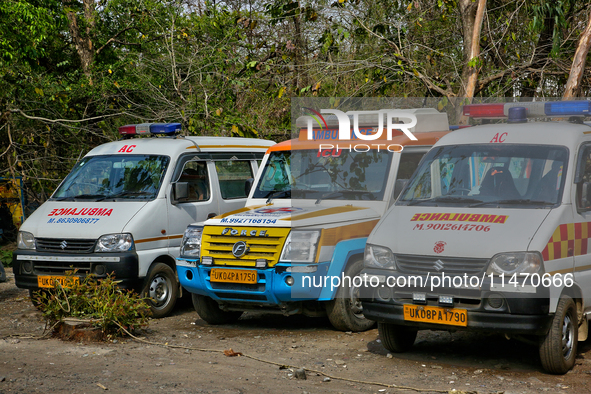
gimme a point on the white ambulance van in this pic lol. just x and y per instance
(123, 209)
(492, 233)
(312, 206)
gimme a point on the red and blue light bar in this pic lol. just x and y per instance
(532, 109)
(150, 128)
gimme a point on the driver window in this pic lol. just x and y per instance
(196, 175)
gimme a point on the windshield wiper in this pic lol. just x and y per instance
(128, 193)
(273, 193)
(446, 199)
(328, 195)
(99, 197)
(525, 201)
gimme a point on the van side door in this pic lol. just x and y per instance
(193, 196)
(582, 214)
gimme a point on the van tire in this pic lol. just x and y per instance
(161, 290)
(210, 311)
(2, 273)
(558, 349)
(345, 311)
(396, 338)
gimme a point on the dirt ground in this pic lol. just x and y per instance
(439, 362)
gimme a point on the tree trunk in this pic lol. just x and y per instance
(82, 40)
(472, 14)
(573, 85)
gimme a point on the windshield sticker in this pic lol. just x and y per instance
(459, 217)
(81, 211)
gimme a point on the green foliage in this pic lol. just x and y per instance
(102, 302)
(6, 257)
(230, 68)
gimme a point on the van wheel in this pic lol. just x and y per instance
(558, 348)
(161, 290)
(345, 311)
(2, 273)
(209, 310)
(395, 338)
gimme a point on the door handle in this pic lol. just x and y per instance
(212, 215)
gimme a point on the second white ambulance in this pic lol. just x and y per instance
(492, 234)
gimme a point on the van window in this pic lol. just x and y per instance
(127, 177)
(478, 175)
(232, 176)
(326, 175)
(197, 177)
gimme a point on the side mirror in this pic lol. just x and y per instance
(248, 185)
(180, 191)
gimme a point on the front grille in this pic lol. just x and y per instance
(219, 246)
(60, 267)
(60, 245)
(421, 265)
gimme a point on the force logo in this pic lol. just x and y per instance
(244, 233)
(239, 249)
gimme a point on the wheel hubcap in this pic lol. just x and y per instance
(355, 302)
(567, 336)
(159, 291)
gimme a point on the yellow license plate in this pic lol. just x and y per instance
(436, 314)
(49, 280)
(232, 276)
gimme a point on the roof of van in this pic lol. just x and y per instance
(176, 145)
(544, 133)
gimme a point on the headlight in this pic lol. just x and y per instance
(379, 257)
(25, 240)
(191, 245)
(515, 263)
(114, 243)
(300, 246)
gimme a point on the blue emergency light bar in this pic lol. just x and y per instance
(150, 128)
(532, 109)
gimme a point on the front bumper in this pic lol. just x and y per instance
(477, 320)
(29, 265)
(490, 309)
(270, 290)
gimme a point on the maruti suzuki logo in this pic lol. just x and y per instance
(239, 249)
(438, 265)
(63, 244)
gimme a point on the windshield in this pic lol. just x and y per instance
(130, 177)
(330, 175)
(481, 175)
